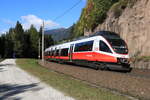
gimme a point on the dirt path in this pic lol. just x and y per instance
(15, 84)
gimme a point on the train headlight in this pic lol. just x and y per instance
(123, 60)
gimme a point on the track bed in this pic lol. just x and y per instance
(136, 83)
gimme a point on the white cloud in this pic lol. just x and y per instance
(28, 20)
(3, 31)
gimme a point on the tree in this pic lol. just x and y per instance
(34, 38)
(0, 50)
(72, 32)
(18, 40)
(2, 45)
(48, 41)
(26, 45)
(9, 44)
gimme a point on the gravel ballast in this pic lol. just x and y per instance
(126, 83)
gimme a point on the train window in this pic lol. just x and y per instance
(84, 46)
(57, 52)
(49, 53)
(103, 47)
(45, 54)
(52, 52)
(64, 52)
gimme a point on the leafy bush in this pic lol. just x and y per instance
(93, 14)
(119, 7)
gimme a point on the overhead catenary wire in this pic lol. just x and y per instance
(68, 10)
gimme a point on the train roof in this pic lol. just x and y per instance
(106, 34)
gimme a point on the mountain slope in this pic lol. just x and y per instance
(59, 34)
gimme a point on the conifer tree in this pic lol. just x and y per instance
(34, 38)
(18, 40)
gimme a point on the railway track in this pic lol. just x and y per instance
(136, 83)
(140, 73)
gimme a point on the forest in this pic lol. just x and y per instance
(20, 43)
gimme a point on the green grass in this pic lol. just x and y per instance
(71, 87)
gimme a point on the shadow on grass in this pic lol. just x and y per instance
(8, 90)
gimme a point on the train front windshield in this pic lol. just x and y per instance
(118, 45)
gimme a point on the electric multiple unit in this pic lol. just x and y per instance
(103, 50)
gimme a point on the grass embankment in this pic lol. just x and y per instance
(74, 88)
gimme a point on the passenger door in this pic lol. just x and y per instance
(71, 52)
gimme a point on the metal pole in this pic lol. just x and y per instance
(39, 48)
(43, 42)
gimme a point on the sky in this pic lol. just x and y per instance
(35, 11)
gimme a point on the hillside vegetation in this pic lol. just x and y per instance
(93, 14)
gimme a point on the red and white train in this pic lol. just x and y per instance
(103, 50)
